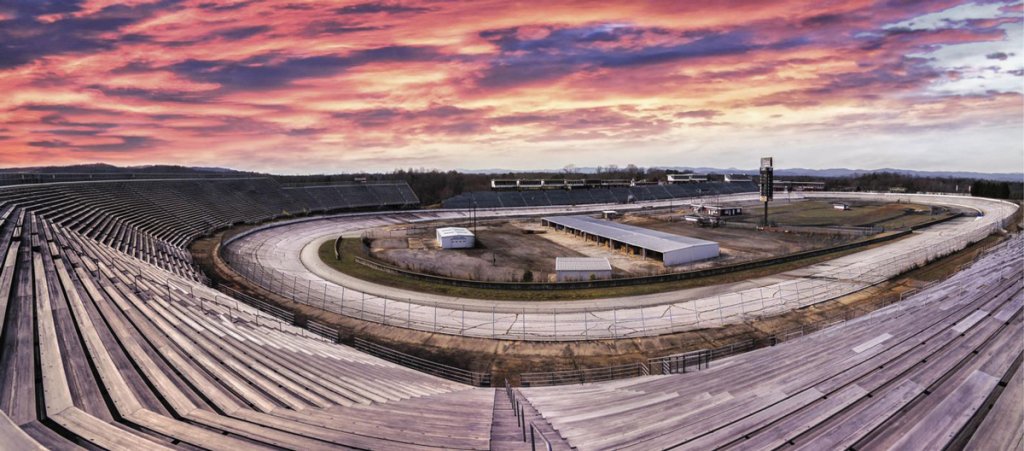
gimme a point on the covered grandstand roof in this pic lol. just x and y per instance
(624, 233)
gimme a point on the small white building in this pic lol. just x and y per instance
(569, 269)
(841, 206)
(716, 210)
(455, 238)
(687, 178)
(735, 178)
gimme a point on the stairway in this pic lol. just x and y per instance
(505, 432)
(506, 435)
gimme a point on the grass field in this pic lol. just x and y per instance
(352, 247)
(820, 213)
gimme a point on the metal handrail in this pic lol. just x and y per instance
(519, 412)
(427, 366)
(533, 441)
(679, 363)
(584, 375)
(272, 309)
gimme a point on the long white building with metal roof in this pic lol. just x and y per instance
(671, 249)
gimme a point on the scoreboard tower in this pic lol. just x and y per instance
(767, 185)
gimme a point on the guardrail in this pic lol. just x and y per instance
(423, 365)
(680, 363)
(584, 375)
(701, 358)
(625, 281)
(284, 315)
(581, 321)
(323, 330)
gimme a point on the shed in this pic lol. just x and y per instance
(582, 268)
(455, 238)
(670, 248)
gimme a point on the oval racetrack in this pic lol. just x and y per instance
(283, 258)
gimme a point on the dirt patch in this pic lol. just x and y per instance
(504, 252)
(507, 250)
(738, 245)
(352, 248)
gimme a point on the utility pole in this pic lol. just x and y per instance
(473, 216)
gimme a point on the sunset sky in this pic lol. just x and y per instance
(302, 87)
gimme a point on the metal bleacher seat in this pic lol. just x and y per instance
(603, 196)
(558, 197)
(538, 198)
(512, 199)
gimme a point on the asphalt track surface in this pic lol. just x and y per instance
(283, 257)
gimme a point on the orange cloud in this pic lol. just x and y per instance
(303, 86)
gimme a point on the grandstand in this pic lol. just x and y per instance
(155, 219)
(597, 195)
(921, 374)
(111, 340)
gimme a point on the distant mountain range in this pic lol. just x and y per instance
(103, 168)
(833, 172)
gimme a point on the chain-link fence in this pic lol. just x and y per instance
(571, 320)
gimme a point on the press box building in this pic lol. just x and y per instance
(455, 238)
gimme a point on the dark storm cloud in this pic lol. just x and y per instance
(263, 71)
(24, 39)
(567, 51)
(380, 117)
(127, 144)
(698, 114)
(823, 20)
(50, 144)
(239, 33)
(380, 7)
(66, 109)
(333, 27)
(154, 95)
(222, 6)
(124, 144)
(61, 120)
(32, 8)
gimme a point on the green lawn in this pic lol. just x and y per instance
(821, 213)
